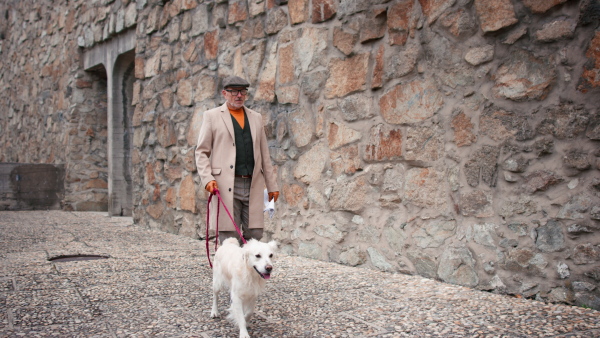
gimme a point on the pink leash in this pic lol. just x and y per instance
(219, 202)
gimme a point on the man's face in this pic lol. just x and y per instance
(234, 96)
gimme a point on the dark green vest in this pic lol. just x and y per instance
(244, 151)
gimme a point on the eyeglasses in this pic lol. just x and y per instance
(234, 92)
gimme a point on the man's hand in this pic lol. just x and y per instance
(211, 187)
(273, 195)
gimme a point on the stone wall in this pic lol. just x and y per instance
(52, 111)
(454, 139)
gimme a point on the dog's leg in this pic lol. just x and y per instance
(249, 308)
(214, 313)
(236, 312)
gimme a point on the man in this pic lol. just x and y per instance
(232, 155)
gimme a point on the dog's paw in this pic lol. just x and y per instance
(214, 314)
(244, 335)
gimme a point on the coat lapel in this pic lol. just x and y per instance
(253, 127)
(226, 116)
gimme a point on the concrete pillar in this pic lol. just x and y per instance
(117, 56)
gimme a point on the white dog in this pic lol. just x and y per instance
(244, 271)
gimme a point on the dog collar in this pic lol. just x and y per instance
(262, 275)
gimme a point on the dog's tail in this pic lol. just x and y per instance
(231, 240)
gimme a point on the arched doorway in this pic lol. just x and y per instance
(117, 56)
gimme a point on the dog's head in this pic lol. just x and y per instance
(260, 256)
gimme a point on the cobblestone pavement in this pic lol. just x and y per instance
(155, 284)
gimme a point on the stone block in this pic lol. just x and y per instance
(293, 194)
(482, 164)
(238, 11)
(211, 44)
(345, 160)
(586, 254)
(311, 164)
(463, 130)
(426, 188)
(378, 69)
(301, 124)
(564, 121)
(256, 7)
(401, 63)
(340, 135)
(311, 49)
(253, 61)
(478, 55)
(541, 180)
(185, 92)
(516, 164)
(200, 23)
(402, 16)
(266, 79)
(187, 194)
(342, 82)
(412, 102)
(155, 210)
(152, 65)
(312, 84)
(541, 6)
(165, 132)
(379, 261)
(457, 266)
(576, 208)
(459, 23)
(501, 125)
(384, 143)
(577, 160)
(424, 143)
(425, 264)
(432, 9)
(298, 10)
(550, 237)
(330, 231)
(433, 234)
(206, 88)
(524, 77)
(591, 71)
(287, 68)
(476, 203)
(309, 250)
(495, 14)
(556, 30)
(353, 257)
(374, 26)
(131, 15)
(344, 40)
(525, 260)
(351, 195)
(323, 10)
(277, 19)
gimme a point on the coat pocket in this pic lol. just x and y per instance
(216, 172)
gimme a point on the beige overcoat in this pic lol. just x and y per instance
(215, 160)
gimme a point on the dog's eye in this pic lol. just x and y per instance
(258, 256)
(271, 256)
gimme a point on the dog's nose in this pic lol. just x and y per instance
(268, 268)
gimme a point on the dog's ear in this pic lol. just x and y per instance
(273, 245)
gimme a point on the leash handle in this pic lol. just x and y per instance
(207, 226)
(219, 202)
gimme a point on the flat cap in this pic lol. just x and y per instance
(235, 81)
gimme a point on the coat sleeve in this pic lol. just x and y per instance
(204, 150)
(268, 171)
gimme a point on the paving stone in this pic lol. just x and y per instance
(159, 285)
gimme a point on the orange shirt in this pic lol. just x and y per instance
(238, 115)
